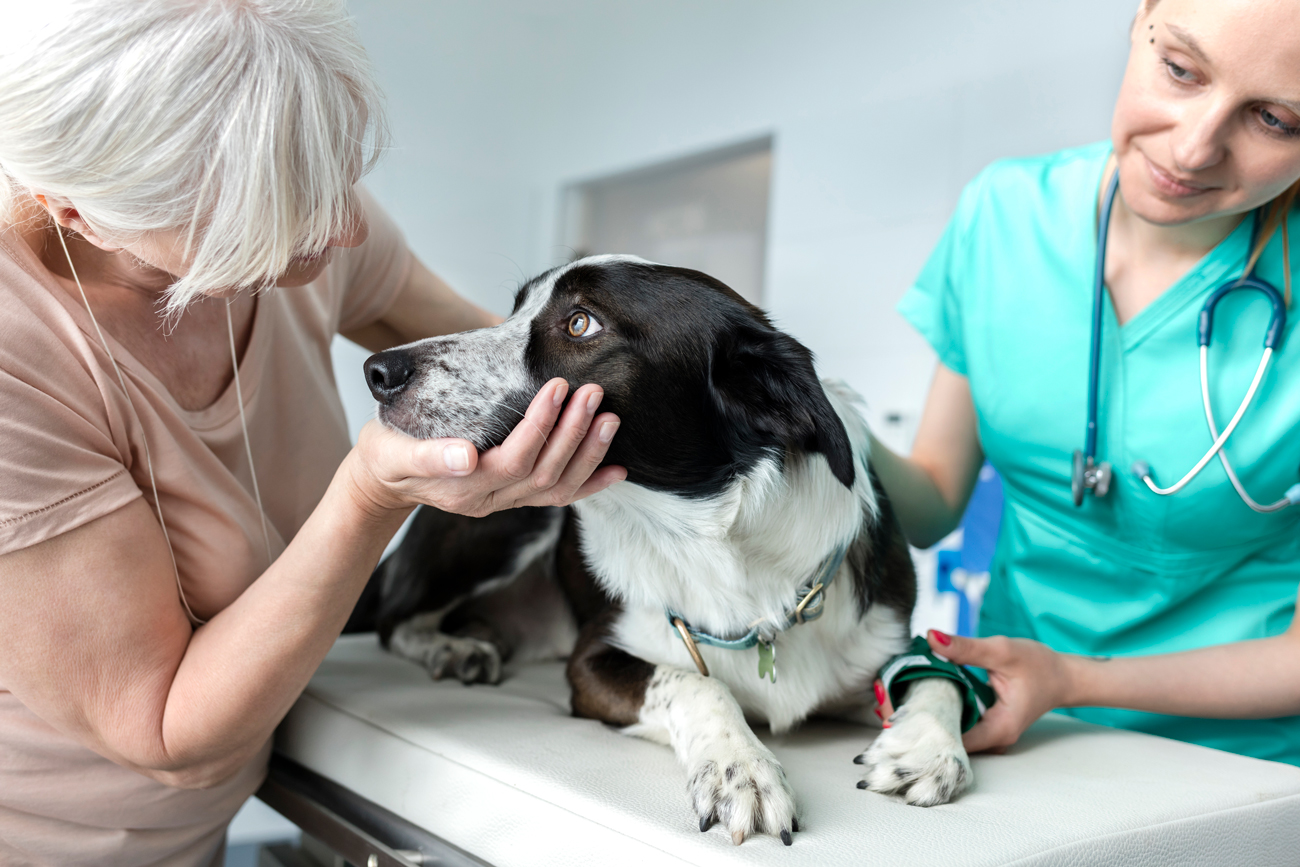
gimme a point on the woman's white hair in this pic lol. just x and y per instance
(242, 125)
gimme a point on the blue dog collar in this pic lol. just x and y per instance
(811, 605)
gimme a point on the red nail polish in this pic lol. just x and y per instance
(941, 637)
(880, 693)
(876, 711)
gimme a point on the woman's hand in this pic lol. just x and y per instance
(1029, 678)
(548, 460)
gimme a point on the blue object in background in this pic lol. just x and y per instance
(979, 538)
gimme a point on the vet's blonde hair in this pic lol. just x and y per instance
(242, 124)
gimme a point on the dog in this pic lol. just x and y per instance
(750, 514)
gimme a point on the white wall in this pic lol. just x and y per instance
(881, 112)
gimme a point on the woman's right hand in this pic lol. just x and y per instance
(549, 459)
(1029, 678)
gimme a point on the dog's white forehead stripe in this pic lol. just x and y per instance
(542, 291)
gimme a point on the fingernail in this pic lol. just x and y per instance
(876, 711)
(942, 637)
(560, 391)
(880, 693)
(593, 402)
(456, 458)
(607, 431)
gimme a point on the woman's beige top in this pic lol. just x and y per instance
(71, 451)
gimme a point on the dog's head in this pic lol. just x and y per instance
(703, 383)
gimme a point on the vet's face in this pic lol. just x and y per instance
(674, 350)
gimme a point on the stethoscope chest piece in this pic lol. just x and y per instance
(1087, 475)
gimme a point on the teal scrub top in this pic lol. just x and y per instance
(1005, 300)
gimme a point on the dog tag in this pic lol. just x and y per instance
(766, 660)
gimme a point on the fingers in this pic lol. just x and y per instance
(980, 652)
(566, 463)
(515, 458)
(980, 738)
(992, 734)
(573, 441)
(588, 456)
(599, 481)
(396, 456)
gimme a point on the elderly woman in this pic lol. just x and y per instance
(183, 527)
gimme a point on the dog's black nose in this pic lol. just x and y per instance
(387, 374)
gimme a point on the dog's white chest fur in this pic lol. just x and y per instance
(727, 562)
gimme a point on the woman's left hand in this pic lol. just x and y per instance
(1029, 678)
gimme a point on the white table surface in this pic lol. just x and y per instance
(505, 773)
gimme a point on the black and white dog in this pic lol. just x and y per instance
(748, 485)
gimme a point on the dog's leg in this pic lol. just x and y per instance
(920, 755)
(468, 658)
(733, 778)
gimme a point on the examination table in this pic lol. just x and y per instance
(503, 775)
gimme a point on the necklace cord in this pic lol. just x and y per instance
(148, 455)
(144, 438)
(243, 424)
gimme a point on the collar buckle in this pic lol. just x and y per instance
(814, 610)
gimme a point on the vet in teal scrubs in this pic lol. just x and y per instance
(1005, 300)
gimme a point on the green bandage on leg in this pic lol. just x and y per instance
(920, 662)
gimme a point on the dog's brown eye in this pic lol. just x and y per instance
(583, 324)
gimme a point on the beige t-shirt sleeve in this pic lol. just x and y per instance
(375, 272)
(60, 464)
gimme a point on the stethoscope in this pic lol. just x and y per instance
(1087, 474)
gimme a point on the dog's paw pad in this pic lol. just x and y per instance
(747, 793)
(469, 660)
(919, 760)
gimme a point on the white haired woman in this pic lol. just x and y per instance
(183, 526)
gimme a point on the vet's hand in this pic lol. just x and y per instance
(1029, 679)
(548, 460)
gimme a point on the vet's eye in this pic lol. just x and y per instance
(1179, 73)
(583, 324)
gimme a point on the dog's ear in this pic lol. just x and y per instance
(764, 385)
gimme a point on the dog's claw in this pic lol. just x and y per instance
(737, 837)
(794, 824)
(785, 837)
(859, 759)
(706, 822)
(862, 784)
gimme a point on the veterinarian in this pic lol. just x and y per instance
(180, 543)
(1190, 596)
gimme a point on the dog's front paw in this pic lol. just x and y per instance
(916, 757)
(469, 660)
(744, 790)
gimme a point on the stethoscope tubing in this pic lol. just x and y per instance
(1205, 325)
(1098, 308)
(1223, 456)
(1219, 439)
